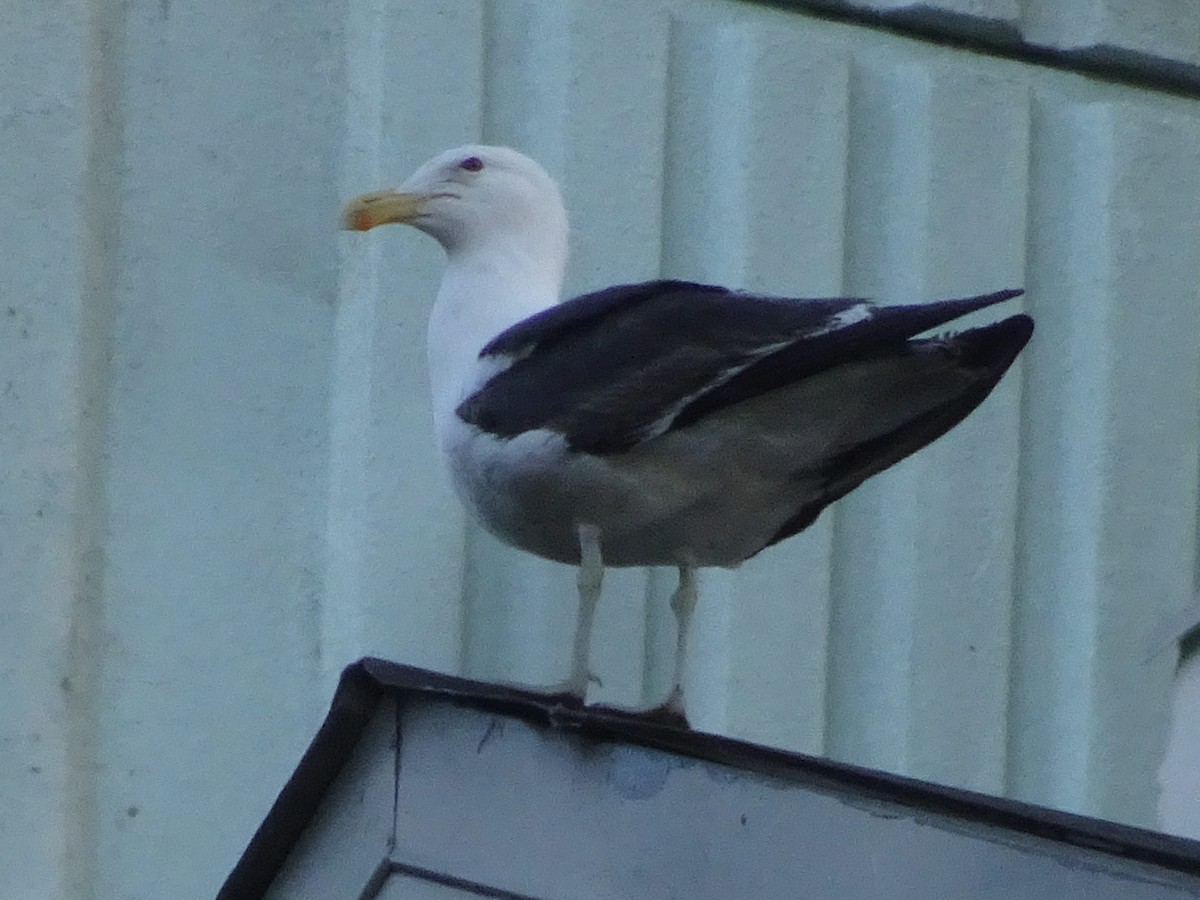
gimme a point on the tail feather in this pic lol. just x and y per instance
(983, 353)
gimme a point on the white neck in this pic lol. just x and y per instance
(483, 292)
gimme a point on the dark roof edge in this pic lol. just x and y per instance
(1103, 61)
(365, 682)
(354, 702)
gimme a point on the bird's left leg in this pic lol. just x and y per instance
(683, 602)
(590, 580)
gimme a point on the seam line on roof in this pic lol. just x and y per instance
(378, 880)
(454, 881)
(1113, 65)
(397, 750)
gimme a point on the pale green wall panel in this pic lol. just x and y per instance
(937, 201)
(54, 284)
(550, 67)
(385, 491)
(216, 450)
(220, 484)
(766, 221)
(1108, 511)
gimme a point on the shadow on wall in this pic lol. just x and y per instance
(1179, 776)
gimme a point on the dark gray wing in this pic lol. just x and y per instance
(611, 369)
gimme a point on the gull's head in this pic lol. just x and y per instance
(472, 198)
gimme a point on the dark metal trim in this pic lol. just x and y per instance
(475, 887)
(990, 37)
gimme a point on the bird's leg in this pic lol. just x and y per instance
(683, 601)
(590, 580)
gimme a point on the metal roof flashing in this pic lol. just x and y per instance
(438, 715)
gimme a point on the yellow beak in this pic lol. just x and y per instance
(366, 211)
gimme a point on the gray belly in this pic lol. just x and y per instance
(532, 493)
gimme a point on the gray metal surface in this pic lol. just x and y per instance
(503, 804)
(500, 794)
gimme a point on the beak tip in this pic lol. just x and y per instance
(356, 218)
(380, 208)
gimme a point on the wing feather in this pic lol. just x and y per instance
(612, 369)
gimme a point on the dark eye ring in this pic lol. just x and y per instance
(471, 164)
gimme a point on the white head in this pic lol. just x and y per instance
(475, 198)
(503, 225)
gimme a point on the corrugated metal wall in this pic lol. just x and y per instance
(219, 484)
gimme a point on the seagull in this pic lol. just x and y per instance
(661, 423)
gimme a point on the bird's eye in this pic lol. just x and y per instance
(471, 164)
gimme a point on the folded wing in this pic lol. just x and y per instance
(612, 370)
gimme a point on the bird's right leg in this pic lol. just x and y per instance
(590, 580)
(683, 603)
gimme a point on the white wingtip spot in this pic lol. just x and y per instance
(851, 315)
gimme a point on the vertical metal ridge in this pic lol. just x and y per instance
(968, 479)
(658, 636)
(1151, 491)
(789, 171)
(342, 625)
(871, 631)
(519, 610)
(1054, 626)
(710, 178)
(705, 233)
(923, 551)
(397, 590)
(729, 145)
(524, 40)
(435, 531)
(1025, 437)
(548, 69)
(490, 59)
(1109, 499)
(83, 685)
(661, 627)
